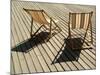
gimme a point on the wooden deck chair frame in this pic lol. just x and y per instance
(42, 25)
(87, 28)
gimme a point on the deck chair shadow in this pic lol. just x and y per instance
(66, 54)
(30, 43)
(44, 20)
(80, 21)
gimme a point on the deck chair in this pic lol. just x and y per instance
(44, 20)
(80, 21)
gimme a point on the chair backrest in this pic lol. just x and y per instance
(79, 20)
(37, 15)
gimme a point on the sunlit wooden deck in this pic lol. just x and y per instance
(40, 57)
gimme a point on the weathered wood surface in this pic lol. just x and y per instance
(41, 56)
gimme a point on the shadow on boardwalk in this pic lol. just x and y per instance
(27, 45)
(66, 53)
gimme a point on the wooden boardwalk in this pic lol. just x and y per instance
(40, 55)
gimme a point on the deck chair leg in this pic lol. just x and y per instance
(69, 32)
(50, 34)
(37, 30)
(71, 42)
(31, 27)
(91, 29)
(57, 26)
(91, 33)
(91, 38)
(85, 36)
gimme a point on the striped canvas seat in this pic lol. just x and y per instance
(80, 21)
(41, 17)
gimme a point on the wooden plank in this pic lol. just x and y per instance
(12, 69)
(15, 57)
(11, 61)
(27, 55)
(12, 66)
(91, 59)
(19, 39)
(34, 58)
(33, 55)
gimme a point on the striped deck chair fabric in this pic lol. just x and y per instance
(80, 21)
(44, 20)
